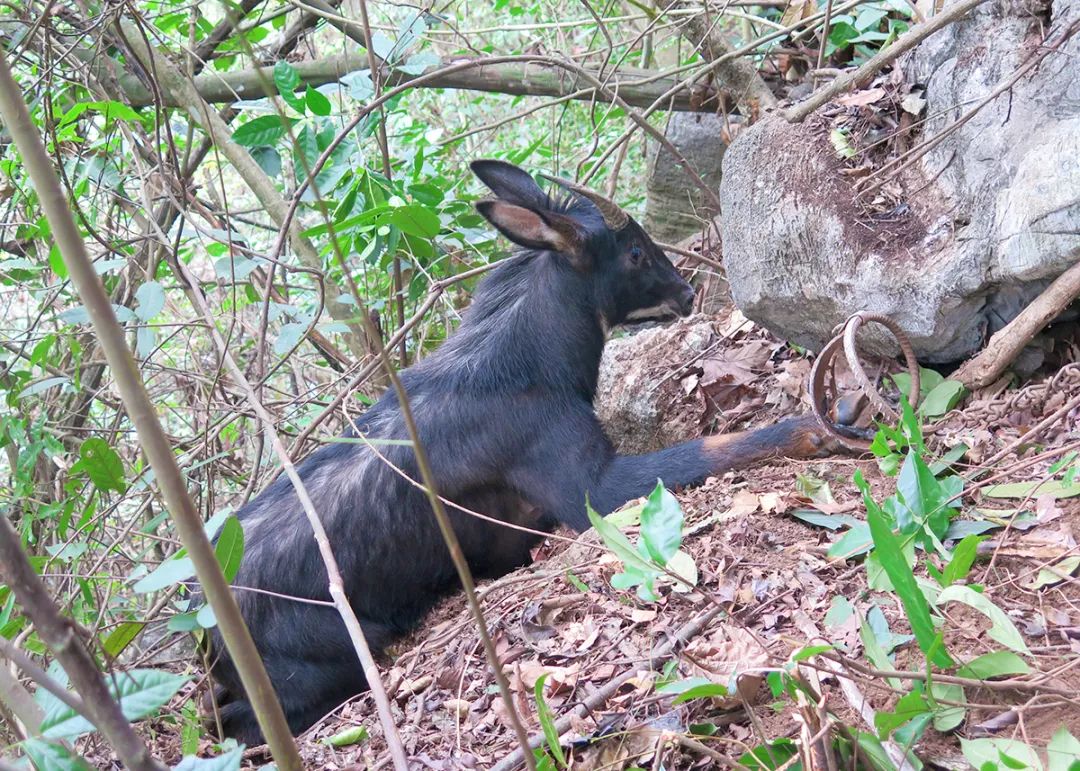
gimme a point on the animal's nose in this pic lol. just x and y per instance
(686, 300)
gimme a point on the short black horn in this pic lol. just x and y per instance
(614, 217)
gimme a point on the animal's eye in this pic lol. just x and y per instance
(635, 255)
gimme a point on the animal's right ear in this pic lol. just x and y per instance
(533, 229)
(510, 183)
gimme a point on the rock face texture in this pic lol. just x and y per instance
(981, 223)
(673, 206)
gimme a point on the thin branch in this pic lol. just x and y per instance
(158, 451)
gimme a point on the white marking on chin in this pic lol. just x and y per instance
(655, 313)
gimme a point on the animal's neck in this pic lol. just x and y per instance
(533, 324)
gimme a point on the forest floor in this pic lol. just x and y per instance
(765, 588)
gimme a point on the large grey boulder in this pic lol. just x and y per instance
(986, 219)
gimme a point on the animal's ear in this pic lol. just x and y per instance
(510, 183)
(536, 230)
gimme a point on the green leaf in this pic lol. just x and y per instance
(547, 722)
(947, 717)
(693, 688)
(891, 554)
(923, 502)
(140, 692)
(228, 761)
(1056, 573)
(264, 130)
(1002, 628)
(999, 753)
(317, 102)
(1063, 751)
(840, 610)
(854, 542)
(827, 521)
(661, 524)
(996, 664)
(101, 464)
(120, 637)
(942, 398)
(1055, 488)
(416, 220)
(347, 737)
(963, 558)
(909, 706)
(809, 652)
(287, 80)
(166, 574)
(288, 336)
(769, 756)
(52, 756)
(229, 548)
(151, 300)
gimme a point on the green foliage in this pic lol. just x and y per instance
(657, 552)
(547, 723)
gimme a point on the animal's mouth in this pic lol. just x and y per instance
(666, 311)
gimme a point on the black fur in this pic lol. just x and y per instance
(504, 409)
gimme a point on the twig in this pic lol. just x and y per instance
(1006, 343)
(905, 42)
(158, 451)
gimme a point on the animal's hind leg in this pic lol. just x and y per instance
(313, 667)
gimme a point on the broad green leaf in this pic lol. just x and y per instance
(347, 737)
(923, 503)
(53, 756)
(140, 692)
(1055, 488)
(43, 385)
(1000, 754)
(854, 542)
(1063, 751)
(942, 398)
(1055, 574)
(947, 717)
(809, 652)
(1002, 628)
(151, 300)
(264, 130)
(229, 548)
(617, 542)
(317, 102)
(288, 336)
(773, 755)
(911, 732)
(828, 521)
(287, 80)
(416, 220)
(661, 524)
(120, 637)
(840, 610)
(908, 707)
(166, 574)
(269, 160)
(891, 554)
(547, 722)
(962, 560)
(996, 664)
(693, 688)
(871, 747)
(682, 565)
(205, 617)
(228, 761)
(101, 464)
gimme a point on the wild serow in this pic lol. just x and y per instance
(505, 410)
